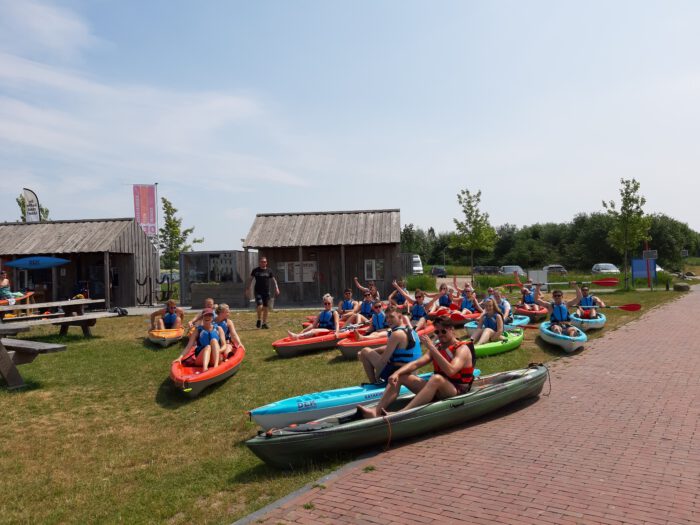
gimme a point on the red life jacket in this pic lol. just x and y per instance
(464, 376)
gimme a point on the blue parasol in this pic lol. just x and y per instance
(36, 263)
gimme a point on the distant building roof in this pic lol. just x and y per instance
(86, 236)
(327, 228)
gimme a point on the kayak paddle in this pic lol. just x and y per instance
(632, 307)
(609, 281)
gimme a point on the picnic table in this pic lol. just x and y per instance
(14, 352)
(84, 321)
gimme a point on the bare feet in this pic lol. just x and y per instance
(366, 413)
(292, 335)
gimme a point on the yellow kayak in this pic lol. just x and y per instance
(165, 337)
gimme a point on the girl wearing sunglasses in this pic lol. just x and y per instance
(490, 325)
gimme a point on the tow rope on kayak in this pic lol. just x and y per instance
(549, 379)
(385, 417)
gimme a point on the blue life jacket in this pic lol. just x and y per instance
(467, 304)
(587, 301)
(529, 298)
(378, 321)
(366, 308)
(401, 356)
(491, 322)
(347, 305)
(445, 300)
(169, 319)
(326, 320)
(205, 338)
(224, 326)
(418, 312)
(400, 298)
(560, 314)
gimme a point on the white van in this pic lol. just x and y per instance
(416, 265)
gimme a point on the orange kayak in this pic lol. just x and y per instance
(191, 380)
(27, 295)
(350, 346)
(289, 347)
(166, 338)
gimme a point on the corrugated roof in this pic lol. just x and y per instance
(327, 228)
(88, 236)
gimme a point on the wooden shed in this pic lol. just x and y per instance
(108, 256)
(314, 253)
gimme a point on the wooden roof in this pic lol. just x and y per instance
(55, 237)
(327, 228)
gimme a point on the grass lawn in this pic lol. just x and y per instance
(100, 435)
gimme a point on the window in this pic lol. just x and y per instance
(374, 269)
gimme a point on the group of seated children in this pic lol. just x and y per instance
(213, 338)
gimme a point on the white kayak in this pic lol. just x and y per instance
(565, 342)
(596, 323)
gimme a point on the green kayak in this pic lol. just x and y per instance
(297, 445)
(511, 340)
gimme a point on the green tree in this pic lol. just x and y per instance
(630, 225)
(43, 212)
(474, 233)
(172, 239)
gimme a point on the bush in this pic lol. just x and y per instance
(424, 282)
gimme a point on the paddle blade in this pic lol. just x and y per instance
(609, 281)
(630, 307)
(512, 285)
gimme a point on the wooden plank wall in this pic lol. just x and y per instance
(144, 263)
(329, 278)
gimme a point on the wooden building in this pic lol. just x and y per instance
(320, 252)
(108, 256)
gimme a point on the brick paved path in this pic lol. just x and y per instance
(618, 441)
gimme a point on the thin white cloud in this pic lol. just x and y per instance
(38, 29)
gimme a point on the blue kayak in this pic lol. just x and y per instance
(518, 320)
(309, 407)
(586, 324)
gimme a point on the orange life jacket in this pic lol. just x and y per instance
(464, 376)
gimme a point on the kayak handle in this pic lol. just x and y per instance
(455, 405)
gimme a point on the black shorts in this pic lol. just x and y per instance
(262, 299)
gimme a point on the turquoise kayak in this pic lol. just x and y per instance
(518, 321)
(316, 405)
(565, 342)
(588, 324)
(298, 445)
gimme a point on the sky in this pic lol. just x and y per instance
(236, 108)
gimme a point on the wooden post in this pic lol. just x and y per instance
(106, 280)
(301, 276)
(54, 282)
(246, 274)
(343, 282)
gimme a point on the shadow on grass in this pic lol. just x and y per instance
(264, 472)
(171, 398)
(29, 384)
(57, 338)
(340, 359)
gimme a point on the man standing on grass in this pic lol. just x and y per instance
(262, 275)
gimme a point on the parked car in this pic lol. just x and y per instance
(659, 269)
(555, 268)
(605, 268)
(417, 265)
(509, 269)
(438, 271)
(492, 270)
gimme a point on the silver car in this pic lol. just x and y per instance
(605, 268)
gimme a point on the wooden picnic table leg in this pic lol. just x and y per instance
(63, 330)
(9, 371)
(86, 327)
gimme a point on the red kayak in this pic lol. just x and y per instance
(350, 346)
(534, 315)
(191, 380)
(459, 319)
(27, 295)
(289, 347)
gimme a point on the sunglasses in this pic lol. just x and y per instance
(377, 307)
(442, 331)
(557, 295)
(419, 297)
(328, 304)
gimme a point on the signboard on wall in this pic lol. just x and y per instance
(145, 207)
(294, 272)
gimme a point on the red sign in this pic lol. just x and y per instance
(145, 207)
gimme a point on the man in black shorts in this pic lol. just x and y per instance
(262, 275)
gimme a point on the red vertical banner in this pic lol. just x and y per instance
(145, 207)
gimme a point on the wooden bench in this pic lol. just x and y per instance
(14, 352)
(84, 321)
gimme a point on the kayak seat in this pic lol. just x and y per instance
(309, 427)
